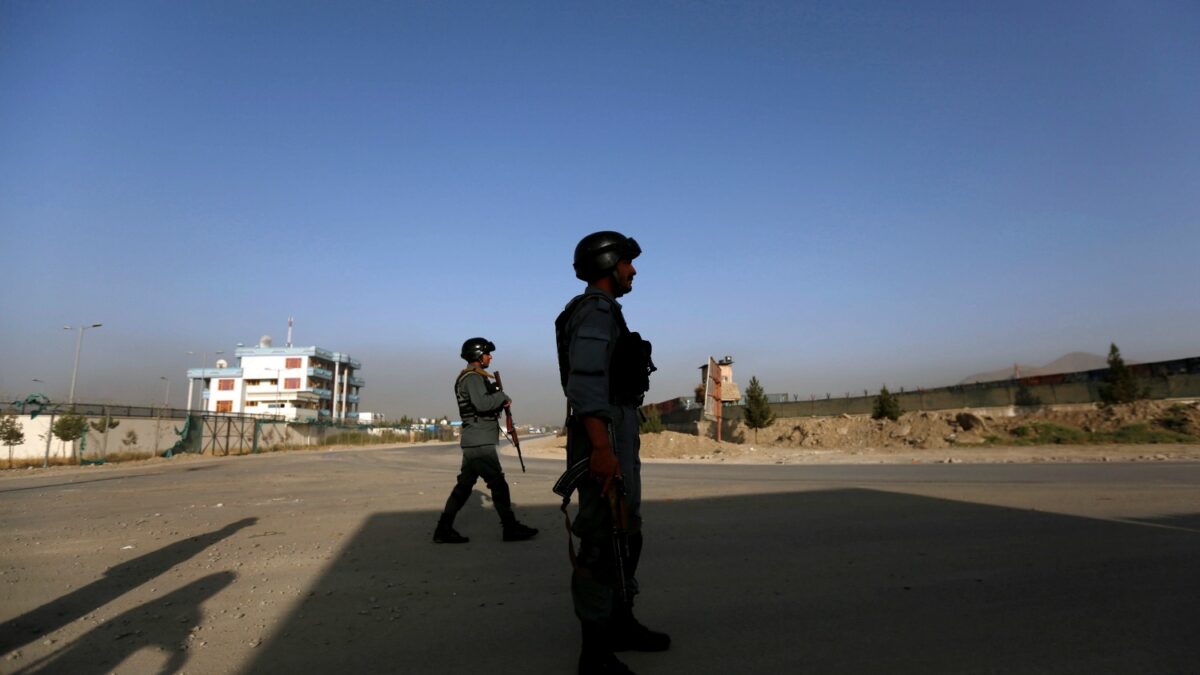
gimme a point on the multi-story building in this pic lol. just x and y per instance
(296, 383)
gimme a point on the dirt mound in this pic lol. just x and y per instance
(1075, 433)
(945, 429)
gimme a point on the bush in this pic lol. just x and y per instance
(651, 421)
(1175, 419)
(886, 405)
(1143, 433)
(1045, 433)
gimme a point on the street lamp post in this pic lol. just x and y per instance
(166, 396)
(78, 347)
(203, 367)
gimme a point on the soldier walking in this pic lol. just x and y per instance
(479, 405)
(605, 371)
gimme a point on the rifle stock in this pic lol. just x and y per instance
(511, 428)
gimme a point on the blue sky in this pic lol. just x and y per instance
(839, 195)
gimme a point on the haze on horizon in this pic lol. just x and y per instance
(837, 196)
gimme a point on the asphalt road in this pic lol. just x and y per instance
(322, 562)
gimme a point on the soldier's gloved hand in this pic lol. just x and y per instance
(604, 468)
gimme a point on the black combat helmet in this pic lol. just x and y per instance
(598, 254)
(476, 347)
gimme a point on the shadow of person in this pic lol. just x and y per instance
(164, 623)
(479, 501)
(117, 580)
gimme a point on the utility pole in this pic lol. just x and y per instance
(78, 347)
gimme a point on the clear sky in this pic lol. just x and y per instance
(837, 194)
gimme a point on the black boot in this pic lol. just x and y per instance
(515, 531)
(597, 658)
(445, 533)
(628, 634)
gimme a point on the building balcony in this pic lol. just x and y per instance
(323, 393)
(323, 412)
(208, 373)
(352, 398)
(321, 373)
(357, 382)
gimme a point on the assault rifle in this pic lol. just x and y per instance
(566, 485)
(511, 429)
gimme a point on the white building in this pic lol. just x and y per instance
(365, 417)
(296, 383)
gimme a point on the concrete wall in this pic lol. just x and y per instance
(151, 436)
(676, 416)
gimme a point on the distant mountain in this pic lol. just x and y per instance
(1070, 363)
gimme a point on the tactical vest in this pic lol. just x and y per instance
(466, 409)
(629, 371)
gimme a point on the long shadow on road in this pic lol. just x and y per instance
(117, 580)
(163, 623)
(839, 581)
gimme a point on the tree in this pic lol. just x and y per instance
(886, 405)
(758, 414)
(70, 427)
(103, 425)
(1119, 385)
(11, 433)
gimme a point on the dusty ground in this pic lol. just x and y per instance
(917, 437)
(321, 561)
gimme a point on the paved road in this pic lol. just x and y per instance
(321, 561)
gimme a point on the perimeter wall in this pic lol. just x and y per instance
(1161, 380)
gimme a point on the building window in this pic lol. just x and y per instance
(225, 385)
(293, 363)
(224, 406)
(291, 383)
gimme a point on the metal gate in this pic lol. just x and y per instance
(223, 434)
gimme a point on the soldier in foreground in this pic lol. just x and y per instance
(605, 371)
(479, 405)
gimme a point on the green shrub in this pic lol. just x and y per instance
(886, 405)
(1175, 419)
(1045, 433)
(1143, 433)
(651, 421)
